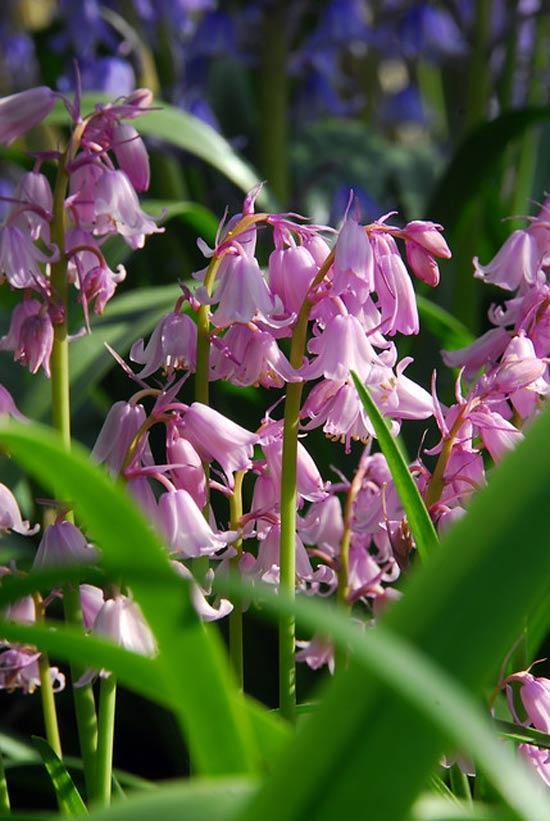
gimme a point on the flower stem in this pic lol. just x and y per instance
(106, 727)
(61, 420)
(343, 558)
(287, 549)
(4, 793)
(83, 698)
(236, 615)
(47, 697)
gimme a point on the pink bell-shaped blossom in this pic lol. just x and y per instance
(309, 484)
(396, 297)
(172, 345)
(291, 271)
(205, 610)
(317, 247)
(10, 515)
(519, 260)
(20, 112)
(251, 357)
(99, 285)
(242, 293)
(120, 620)
(131, 155)
(538, 759)
(186, 468)
(117, 210)
(141, 492)
(323, 525)
(343, 346)
(498, 435)
(115, 437)
(30, 336)
(316, 653)
(91, 602)
(484, 350)
(428, 235)
(19, 670)
(353, 265)
(267, 563)
(8, 406)
(20, 258)
(187, 532)
(34, 189)
(217, 438)
(63, 544)
(82, 185)
(422, 264)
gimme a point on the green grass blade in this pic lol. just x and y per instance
(195, 800)
(463, 609)
(443, 704)
(68, 797)
(207, 697)
(523, 735)
(418, 517)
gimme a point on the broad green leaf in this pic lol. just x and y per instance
(443, 325)
(443, 704)
(191, 660)
(138, 673)
(463, 609)
(477, 162)
(134, 671)
(195, 800)
(128, 317)
(182, 130)
(418, 517)
(430, 808)
(68, 797)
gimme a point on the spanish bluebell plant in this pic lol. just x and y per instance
(250, 508)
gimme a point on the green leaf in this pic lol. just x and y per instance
(442, 703)
(431, 808)
(477, 162)
(463, 609)
(182, 130)
(523, 735)
(68, 797)
(207, 698)
(443, 325)
(195, 800)
(418, 517)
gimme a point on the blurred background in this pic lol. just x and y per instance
(435, 110)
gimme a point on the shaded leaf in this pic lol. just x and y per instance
(68, 797)
(418, 517)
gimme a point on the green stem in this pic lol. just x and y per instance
(107, 708)
(236, 615)
(287, 549)
(47, 697)
(478, 76)
(203, 336)
(61, 420)
(4, 793)
(274, 100)
(83, 699)
(342, 593)
(527, 161)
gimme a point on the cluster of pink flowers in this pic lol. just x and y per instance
(94, 198)
(348, 302)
